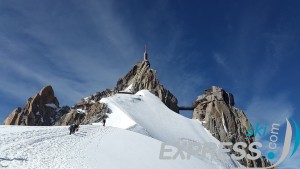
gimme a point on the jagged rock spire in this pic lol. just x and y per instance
(40, 110)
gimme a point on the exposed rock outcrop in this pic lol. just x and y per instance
(215, 108)
(70, 118)
(142, 77)
(96, 113)
(91, 113)
(40, 110)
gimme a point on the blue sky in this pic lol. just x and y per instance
(250, 48)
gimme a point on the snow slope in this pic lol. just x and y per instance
(152, 118)
(93, 147)
(137, 127)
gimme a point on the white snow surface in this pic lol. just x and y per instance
(117, 118)
(148, 121)
(52, 105)
(223, 122)
(81, 111)
(129, 88)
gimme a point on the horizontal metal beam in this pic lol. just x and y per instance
(186, 108)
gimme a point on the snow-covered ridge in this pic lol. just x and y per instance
(147, 110)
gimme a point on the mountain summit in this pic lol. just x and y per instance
(142, 77)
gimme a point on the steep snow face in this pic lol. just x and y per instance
(118, 118)
(158, 120)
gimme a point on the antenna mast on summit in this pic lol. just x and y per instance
(145, 54)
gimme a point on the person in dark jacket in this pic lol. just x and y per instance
(104, 121)
(74, 127)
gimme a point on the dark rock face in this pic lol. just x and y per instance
(14, 117)
(215, 108)
(96, 113)
(70, 118)
(99, 95)
(84, 113)
(40, 110)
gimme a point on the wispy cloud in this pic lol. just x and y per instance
(220, 60)
(269, 110)
(76, 65)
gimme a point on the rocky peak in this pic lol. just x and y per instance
(141, 76)
(41, 109)
(47, 96)
(215, 93)
(141, 72)
(215, 109)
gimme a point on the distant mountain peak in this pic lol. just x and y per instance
(41, 110)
